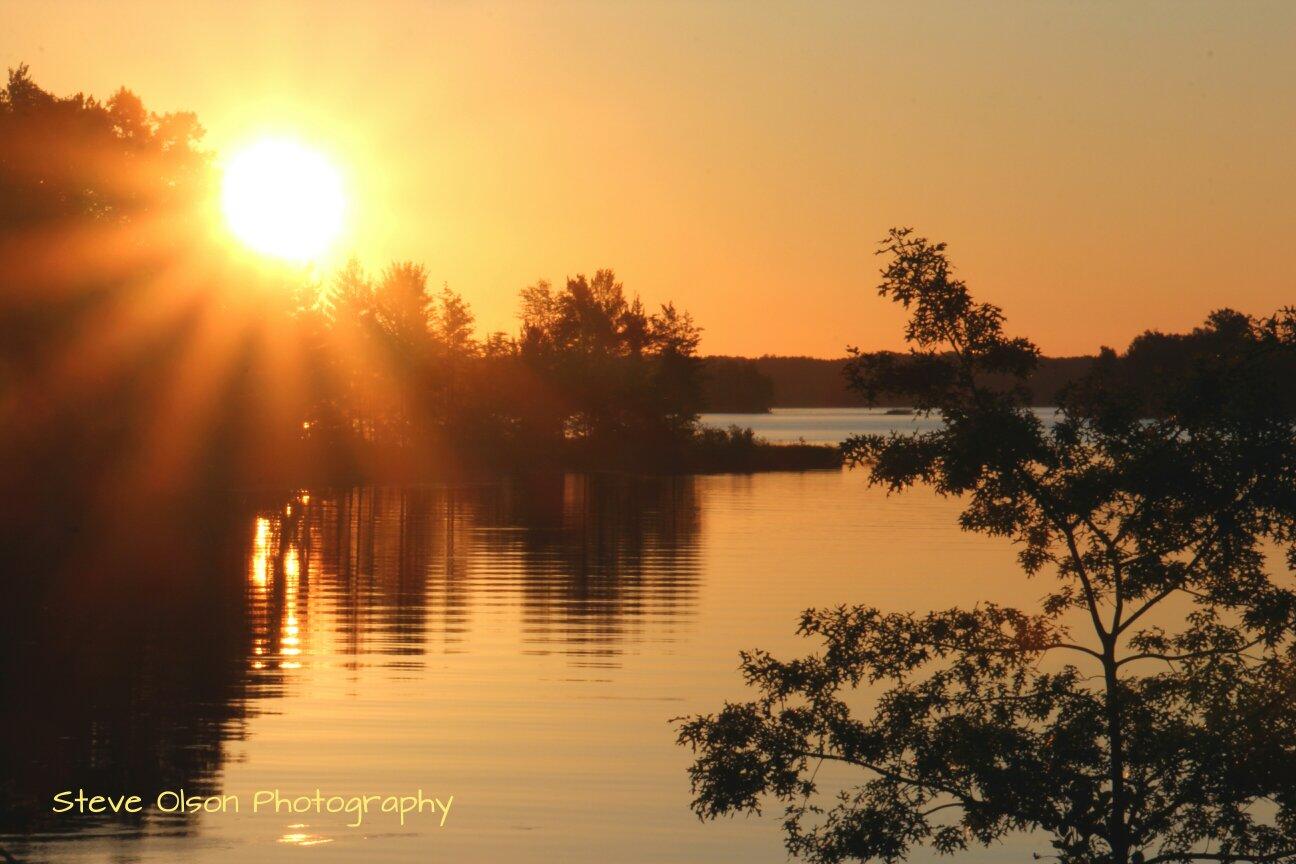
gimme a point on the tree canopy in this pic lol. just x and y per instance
(75, 156)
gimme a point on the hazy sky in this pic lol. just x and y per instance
(1097, 168)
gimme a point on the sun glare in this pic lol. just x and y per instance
(283, 199)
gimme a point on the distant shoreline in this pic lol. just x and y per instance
(754, 385)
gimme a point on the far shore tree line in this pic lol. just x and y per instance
(758, 384)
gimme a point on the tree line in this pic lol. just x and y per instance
(758, 384)
(132, 335)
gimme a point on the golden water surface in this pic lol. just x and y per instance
(521, 645)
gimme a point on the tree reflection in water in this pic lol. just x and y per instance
(130, 662)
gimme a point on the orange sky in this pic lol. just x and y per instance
(1097, 169)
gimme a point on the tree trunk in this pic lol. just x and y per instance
(1117, 830)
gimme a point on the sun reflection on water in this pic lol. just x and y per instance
(276, 569)
(303, 839)
(261, 552)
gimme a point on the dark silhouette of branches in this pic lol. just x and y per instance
(1152, 511)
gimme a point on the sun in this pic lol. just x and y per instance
(283, 199)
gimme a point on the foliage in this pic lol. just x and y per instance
(97, 201)
(105, 236)
(78, 157)
(617, 372)
(1141, 713)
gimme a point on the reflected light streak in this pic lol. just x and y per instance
(303, 839)
(261, 553)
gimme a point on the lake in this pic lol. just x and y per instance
(832, 425)
(521, 645)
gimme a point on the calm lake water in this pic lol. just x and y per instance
(830, 425)
(819, 425)
(521, 645)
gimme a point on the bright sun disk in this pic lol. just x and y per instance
(283, 199)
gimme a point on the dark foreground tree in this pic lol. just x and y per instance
(1144, 711)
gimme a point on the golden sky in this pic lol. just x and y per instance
(1097, 168)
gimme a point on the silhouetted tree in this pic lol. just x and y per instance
(452, 323)
(75, 158)
(95, 201)
(402, 306)
(617, 374)
(1142, 712)
(353, 343)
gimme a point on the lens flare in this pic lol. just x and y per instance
(283, 199)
